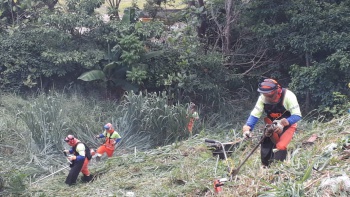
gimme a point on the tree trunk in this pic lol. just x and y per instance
(307, 99)
(203, 21)
(226, 45)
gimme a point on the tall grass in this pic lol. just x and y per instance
(151, 115)
(32, 129)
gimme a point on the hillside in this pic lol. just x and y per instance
(188, 168)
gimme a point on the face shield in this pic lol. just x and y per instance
(271, 97)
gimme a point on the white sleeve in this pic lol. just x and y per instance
(80, 149)
(259, 108)
(291, 103)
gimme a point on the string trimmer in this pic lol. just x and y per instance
(234, 172)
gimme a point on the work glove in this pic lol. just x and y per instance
(246, 131)
(278, 127)
(97, 136)
(280, 124)
(284, 122)
(269, 131)
(72, 157)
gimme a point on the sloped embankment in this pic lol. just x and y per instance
(188, 169)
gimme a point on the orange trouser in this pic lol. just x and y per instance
(283, 140)
(85, 169)
(106, 149)
(190, 125)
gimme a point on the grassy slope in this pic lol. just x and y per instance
(188, 169)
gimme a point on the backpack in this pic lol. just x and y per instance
(87, 150)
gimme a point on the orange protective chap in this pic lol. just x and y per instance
(85, 169)
(104, 149)
(283, 141)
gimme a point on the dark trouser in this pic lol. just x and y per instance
(267, 155)
(74, 172)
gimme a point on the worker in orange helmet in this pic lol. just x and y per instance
(112, 138)
(283, 112)
(192, 114)
(79, 156)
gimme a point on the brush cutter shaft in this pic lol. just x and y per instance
(49, 175)
(250, 154)
(235, 171)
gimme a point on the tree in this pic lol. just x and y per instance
(310, 34)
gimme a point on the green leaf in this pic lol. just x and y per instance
(108, 68)
(92, 75)
(152, 54)
(307, 173)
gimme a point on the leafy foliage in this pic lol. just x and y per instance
(303, 44)
(309, 34)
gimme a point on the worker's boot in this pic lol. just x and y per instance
(280, 155)
(86, 178)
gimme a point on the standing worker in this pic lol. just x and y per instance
(79, 158)
(192, 114)
(282, 110)
(112, 138)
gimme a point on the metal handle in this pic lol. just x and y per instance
(210, 141)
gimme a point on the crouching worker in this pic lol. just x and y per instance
(283, 112)
(112, 138)
(79, 155)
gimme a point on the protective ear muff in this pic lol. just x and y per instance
(279, 89)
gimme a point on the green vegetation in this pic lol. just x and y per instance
(63, 69)
(157, 157)
(204, 51)
(175, 4)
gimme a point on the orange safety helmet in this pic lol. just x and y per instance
(267, 86)
(71, 140)
(109, 128)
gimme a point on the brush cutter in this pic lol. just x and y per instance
(50, 175)
(65, 154)
(234, 172)
(222, 148)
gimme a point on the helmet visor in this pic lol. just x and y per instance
(267, 87)
(68, 138)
